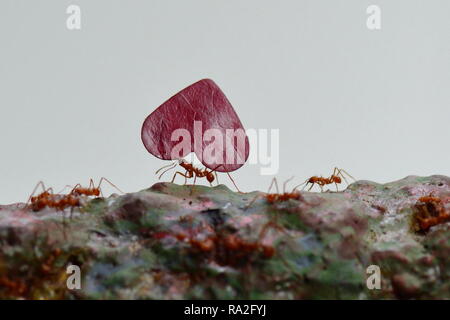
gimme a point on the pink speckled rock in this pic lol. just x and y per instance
(197, 109)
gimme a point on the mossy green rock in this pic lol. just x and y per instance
(168, 243)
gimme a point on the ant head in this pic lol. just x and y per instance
(96, 192)
(271, 198)
(336, 179)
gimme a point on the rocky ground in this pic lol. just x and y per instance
(165, 243)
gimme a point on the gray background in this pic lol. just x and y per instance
(373, 102)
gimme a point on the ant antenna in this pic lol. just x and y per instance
(274, 182)
(40, 183)
(285, 183)
(171, 166)
(112, 184)
(348, 174)
(301, 184)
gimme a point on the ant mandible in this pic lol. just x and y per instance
(193, 172)
(336, 178)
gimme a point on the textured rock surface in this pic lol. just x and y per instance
(204, 103)
(163, 243)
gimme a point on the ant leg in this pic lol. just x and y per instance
(68, 186)
(285, 183)
(112, 184)
(301, 184)
(215, 173)
(312, 185)
(348, 174)
(251, 202)
(335, 171)
(186, 176)
(340, 173)
(193, 185)
(229, 176)
(265, 228)
(40, 183)
(337, 190)
(63, 226)
(273, 183)
(217, 177)
(78, 185)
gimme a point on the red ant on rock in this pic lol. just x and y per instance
(62, 201)
(192, 172)
(278, 197)
(227, 250)
(336, 178)
(92, 190)
(48, 199)
(430, 211)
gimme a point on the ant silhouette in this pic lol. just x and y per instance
(336, 178)
(193, 172)
(272, 198)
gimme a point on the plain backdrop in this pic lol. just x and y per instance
(72, 103)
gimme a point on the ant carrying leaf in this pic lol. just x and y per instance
(193, 172)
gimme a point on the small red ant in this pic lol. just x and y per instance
(48, 199)
(430, 212)
(60, 202)
(192, 172)
(430, 198)
(336, 178)
(278, 197)
(44, 199)
(92, 190)
(226, 249)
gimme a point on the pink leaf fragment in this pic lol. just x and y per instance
(216, 134)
